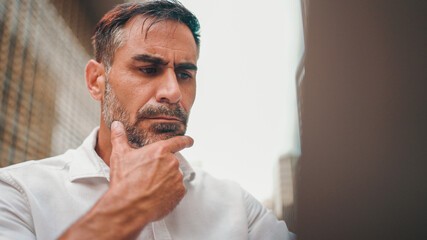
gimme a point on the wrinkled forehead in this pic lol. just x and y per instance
(160, 30)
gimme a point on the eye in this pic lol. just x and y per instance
(183, 76)
(148, 70)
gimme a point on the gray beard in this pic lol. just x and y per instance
(113, 110)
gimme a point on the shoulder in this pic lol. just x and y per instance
(36, 173)
(56, 165)
(27, 188)
(32, 167)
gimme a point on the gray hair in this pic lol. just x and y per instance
(109, 37)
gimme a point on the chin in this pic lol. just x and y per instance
(165, 135)
(156, 132)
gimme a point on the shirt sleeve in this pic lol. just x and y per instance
(262, 223)
(15, 217)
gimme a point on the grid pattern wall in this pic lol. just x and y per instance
(45, 108)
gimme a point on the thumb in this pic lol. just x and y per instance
(119, 140)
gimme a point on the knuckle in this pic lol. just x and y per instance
(117, 134)
(174, 163)
(161, 147)
(116, 139)
(120, 147)
(180, 176)
(182, 191)
(117, 149)
(159, 152)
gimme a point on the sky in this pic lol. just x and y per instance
(245, 114)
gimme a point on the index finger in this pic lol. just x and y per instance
(178, 143)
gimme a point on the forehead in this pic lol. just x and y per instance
(159, 37)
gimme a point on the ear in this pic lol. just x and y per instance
(95, 79)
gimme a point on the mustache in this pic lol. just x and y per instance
(171, 110)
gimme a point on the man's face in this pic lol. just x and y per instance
(152, 83)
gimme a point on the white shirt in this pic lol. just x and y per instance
(41, 199)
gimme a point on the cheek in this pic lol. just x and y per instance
(189, 96)
(134, 97)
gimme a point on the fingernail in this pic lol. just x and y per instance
(114, 125)
(190, 141)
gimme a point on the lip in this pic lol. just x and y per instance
(165, 118)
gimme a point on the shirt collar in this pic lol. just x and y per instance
(85, 162)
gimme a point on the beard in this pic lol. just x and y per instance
(113, 110)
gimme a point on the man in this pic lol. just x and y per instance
(128, 180)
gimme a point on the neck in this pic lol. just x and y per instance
(103, 144)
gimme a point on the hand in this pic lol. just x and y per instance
(147, 179)
(145, 185)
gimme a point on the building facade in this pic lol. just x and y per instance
(45, 108)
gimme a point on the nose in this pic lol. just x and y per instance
(168, 90)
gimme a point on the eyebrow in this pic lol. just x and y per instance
(160, 61)
(150, 59)
(186, 66)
